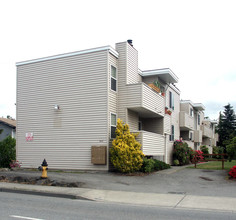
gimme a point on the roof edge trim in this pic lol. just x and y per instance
(109, 48)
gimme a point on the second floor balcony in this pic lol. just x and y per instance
(206, 131)
(144, 100)
(152, 143)
(186, 122)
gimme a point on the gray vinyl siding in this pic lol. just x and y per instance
(133, 120)
(122, 67)
(132, 65)
(79, 85)
(167, 124)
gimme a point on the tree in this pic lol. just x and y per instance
(7, 151)
(231, 149)
(227, 126)
(126, 154)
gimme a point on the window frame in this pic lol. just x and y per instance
(191, 112)
(171, 100)
(114, 78)
(172, 135)
(198, 119)
(114, 126)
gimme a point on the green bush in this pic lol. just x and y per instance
(160, 165)
(204, 149)
(176, 162)
(148, 165)
(7, 151)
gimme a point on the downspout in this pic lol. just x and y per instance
(165, 148)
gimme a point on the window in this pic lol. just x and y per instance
(191, 112)
(191, 136)
(113, 78)
(198, 119)
(113, 125)
(171, 100)
(172, 133)
(140, 126)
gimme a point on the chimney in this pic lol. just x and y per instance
(130, 42)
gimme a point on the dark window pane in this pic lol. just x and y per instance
(113, 132)
(113, 84)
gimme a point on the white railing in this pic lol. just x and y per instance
(152, 143)
(186, 120)
(141, 96)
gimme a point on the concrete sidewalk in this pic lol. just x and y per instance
(135, 198)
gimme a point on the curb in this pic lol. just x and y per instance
(40, 193)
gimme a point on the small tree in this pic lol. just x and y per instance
(7, 151)
(231, 149)
(126, 154)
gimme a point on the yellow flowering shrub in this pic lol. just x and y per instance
(126, 154)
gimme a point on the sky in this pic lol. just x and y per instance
(195, 39)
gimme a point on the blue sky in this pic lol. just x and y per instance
(196, 39)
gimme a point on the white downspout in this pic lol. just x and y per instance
(165, 148)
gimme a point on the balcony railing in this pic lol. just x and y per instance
(186, 121)
(206, 132)
(141, 98)
(152, 143)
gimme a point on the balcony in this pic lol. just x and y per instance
(206, 132)
(186, 122)
(152, 143)
(197, 136)
(142, 99)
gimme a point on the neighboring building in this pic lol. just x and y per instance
(8, 128)
(194, 129)
(68, 105)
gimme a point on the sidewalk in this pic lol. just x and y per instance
(175, 188)
(153, 199)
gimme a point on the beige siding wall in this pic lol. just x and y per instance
(174, 121)
(122, 67)
(78, 84)
(167, 124)
(132, 65)
(133, 120)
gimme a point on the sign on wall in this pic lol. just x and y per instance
(29, 136)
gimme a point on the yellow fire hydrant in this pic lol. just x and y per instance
(44, 168)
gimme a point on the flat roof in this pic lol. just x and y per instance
(197, 106)
(165, 74)
(109, 48)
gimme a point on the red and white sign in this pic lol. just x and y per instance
(29, 136)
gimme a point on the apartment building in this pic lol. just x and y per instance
(195, 129)
(68, 105)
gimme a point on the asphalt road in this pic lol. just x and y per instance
(18, 206)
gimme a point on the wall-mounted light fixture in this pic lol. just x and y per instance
(56, 107)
